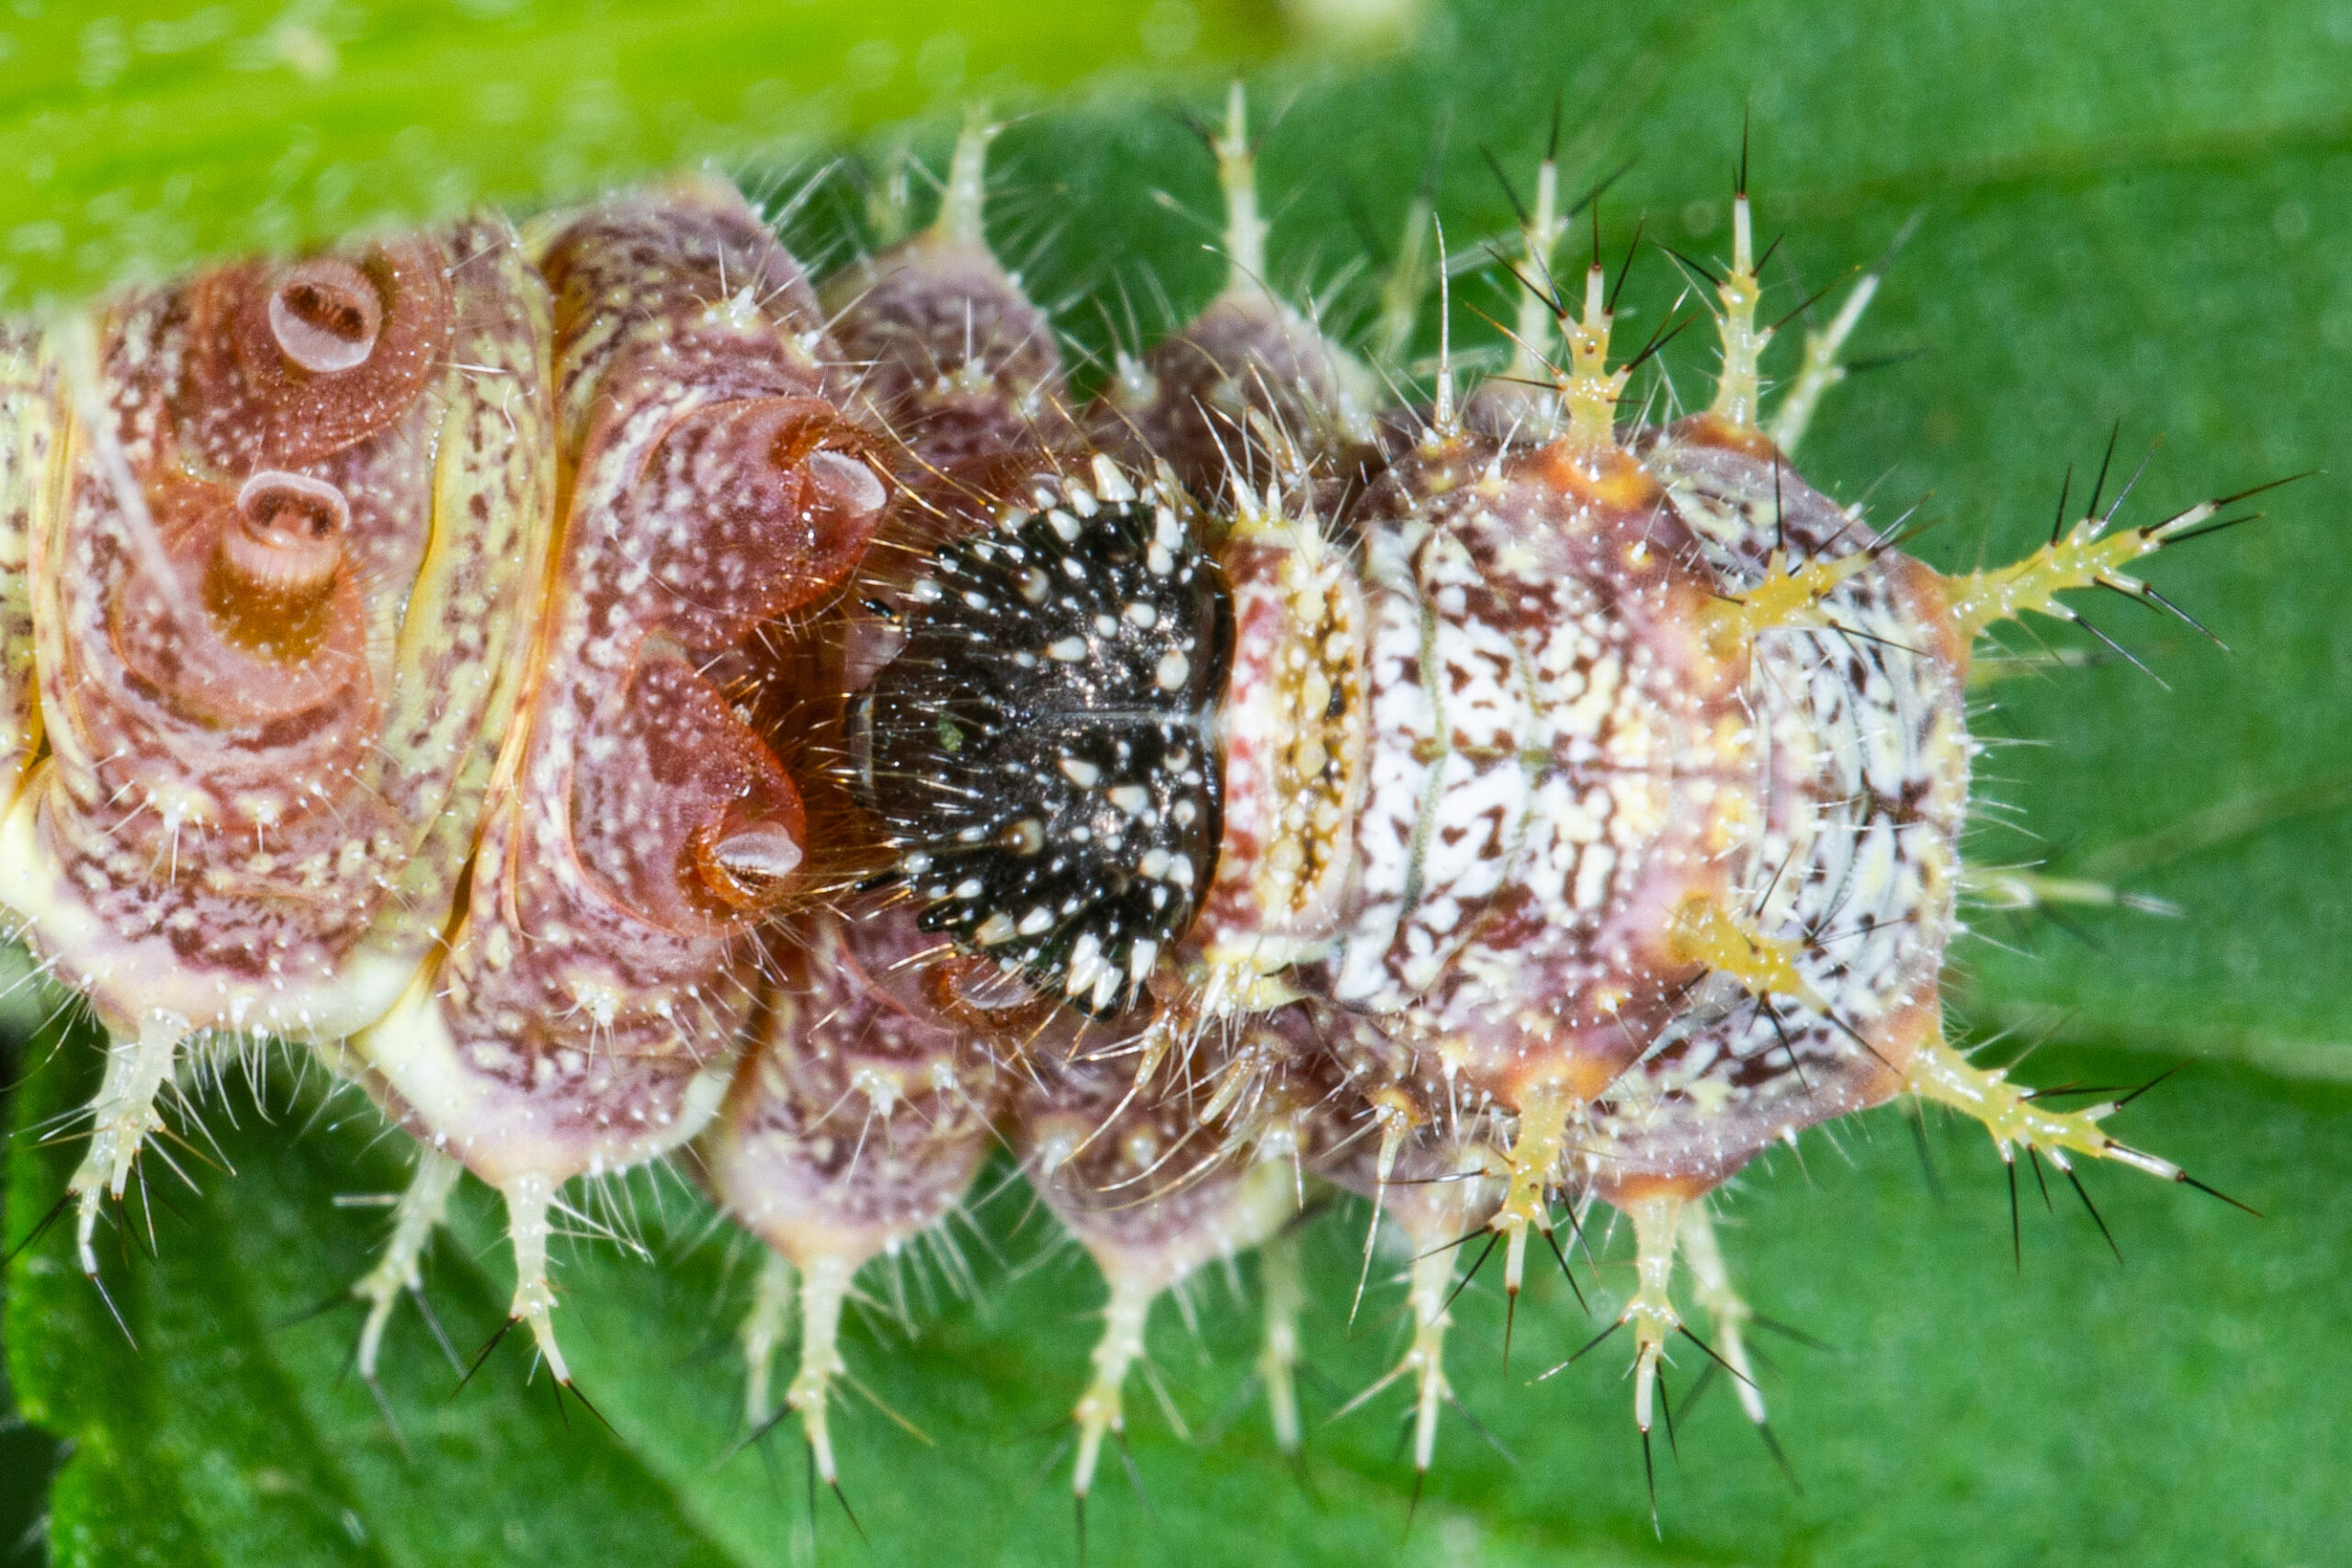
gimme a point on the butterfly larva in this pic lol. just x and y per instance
(599, 693)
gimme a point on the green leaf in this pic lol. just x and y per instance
(2129, 212)
(159, 131)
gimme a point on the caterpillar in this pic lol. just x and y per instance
(607, 695)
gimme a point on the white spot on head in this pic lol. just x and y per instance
(1109, 483)
(1085, 964)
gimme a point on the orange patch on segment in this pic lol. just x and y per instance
(1713, 430)
(1608, 479)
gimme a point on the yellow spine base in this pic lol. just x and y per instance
(420, 1211)
(1281, 1277)
(1821, 369)
(1590, 389)
(1727, 1310)
(124, 1117)
(961, 204)
(824, 1286)
(762, 1334)
(1705, 933)
(1657, 1222)
(1100, 1410)
(1237, 172)
(1538, 238)
(1785, 598)
(530, 1201)
(1544, 1114)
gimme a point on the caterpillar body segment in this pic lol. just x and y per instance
(1036, 748)
(1818, 964)
(1154, 1184)
(282, 567)
(585, 1012)
(270, 675)
(28, 416)
(958, 366)
(859, 1114)
(1249, 387)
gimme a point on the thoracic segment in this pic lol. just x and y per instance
(1142, 1183)
(856, 1120)
(643, 707)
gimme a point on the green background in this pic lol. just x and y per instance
(2128, 212)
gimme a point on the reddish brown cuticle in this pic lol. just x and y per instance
(847, 486)
(286, 367)
(271, 582)
(748, 866)
(289, 537)
(325, 314)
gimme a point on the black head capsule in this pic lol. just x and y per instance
(1042, 748)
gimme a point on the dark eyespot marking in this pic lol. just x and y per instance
(1040, 749)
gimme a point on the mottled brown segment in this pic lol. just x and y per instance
(1861, 779)
(28, 454)
(277, 614)
(860, 1112)
(957, 364)
(1564, 757)
(250, 400)
(1551, 756)
(1249, 388)
(1150, 1185)
(588, 1003)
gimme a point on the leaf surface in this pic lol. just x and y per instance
(159, 130)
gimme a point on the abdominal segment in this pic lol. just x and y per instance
(639, 828)
(278, 613)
